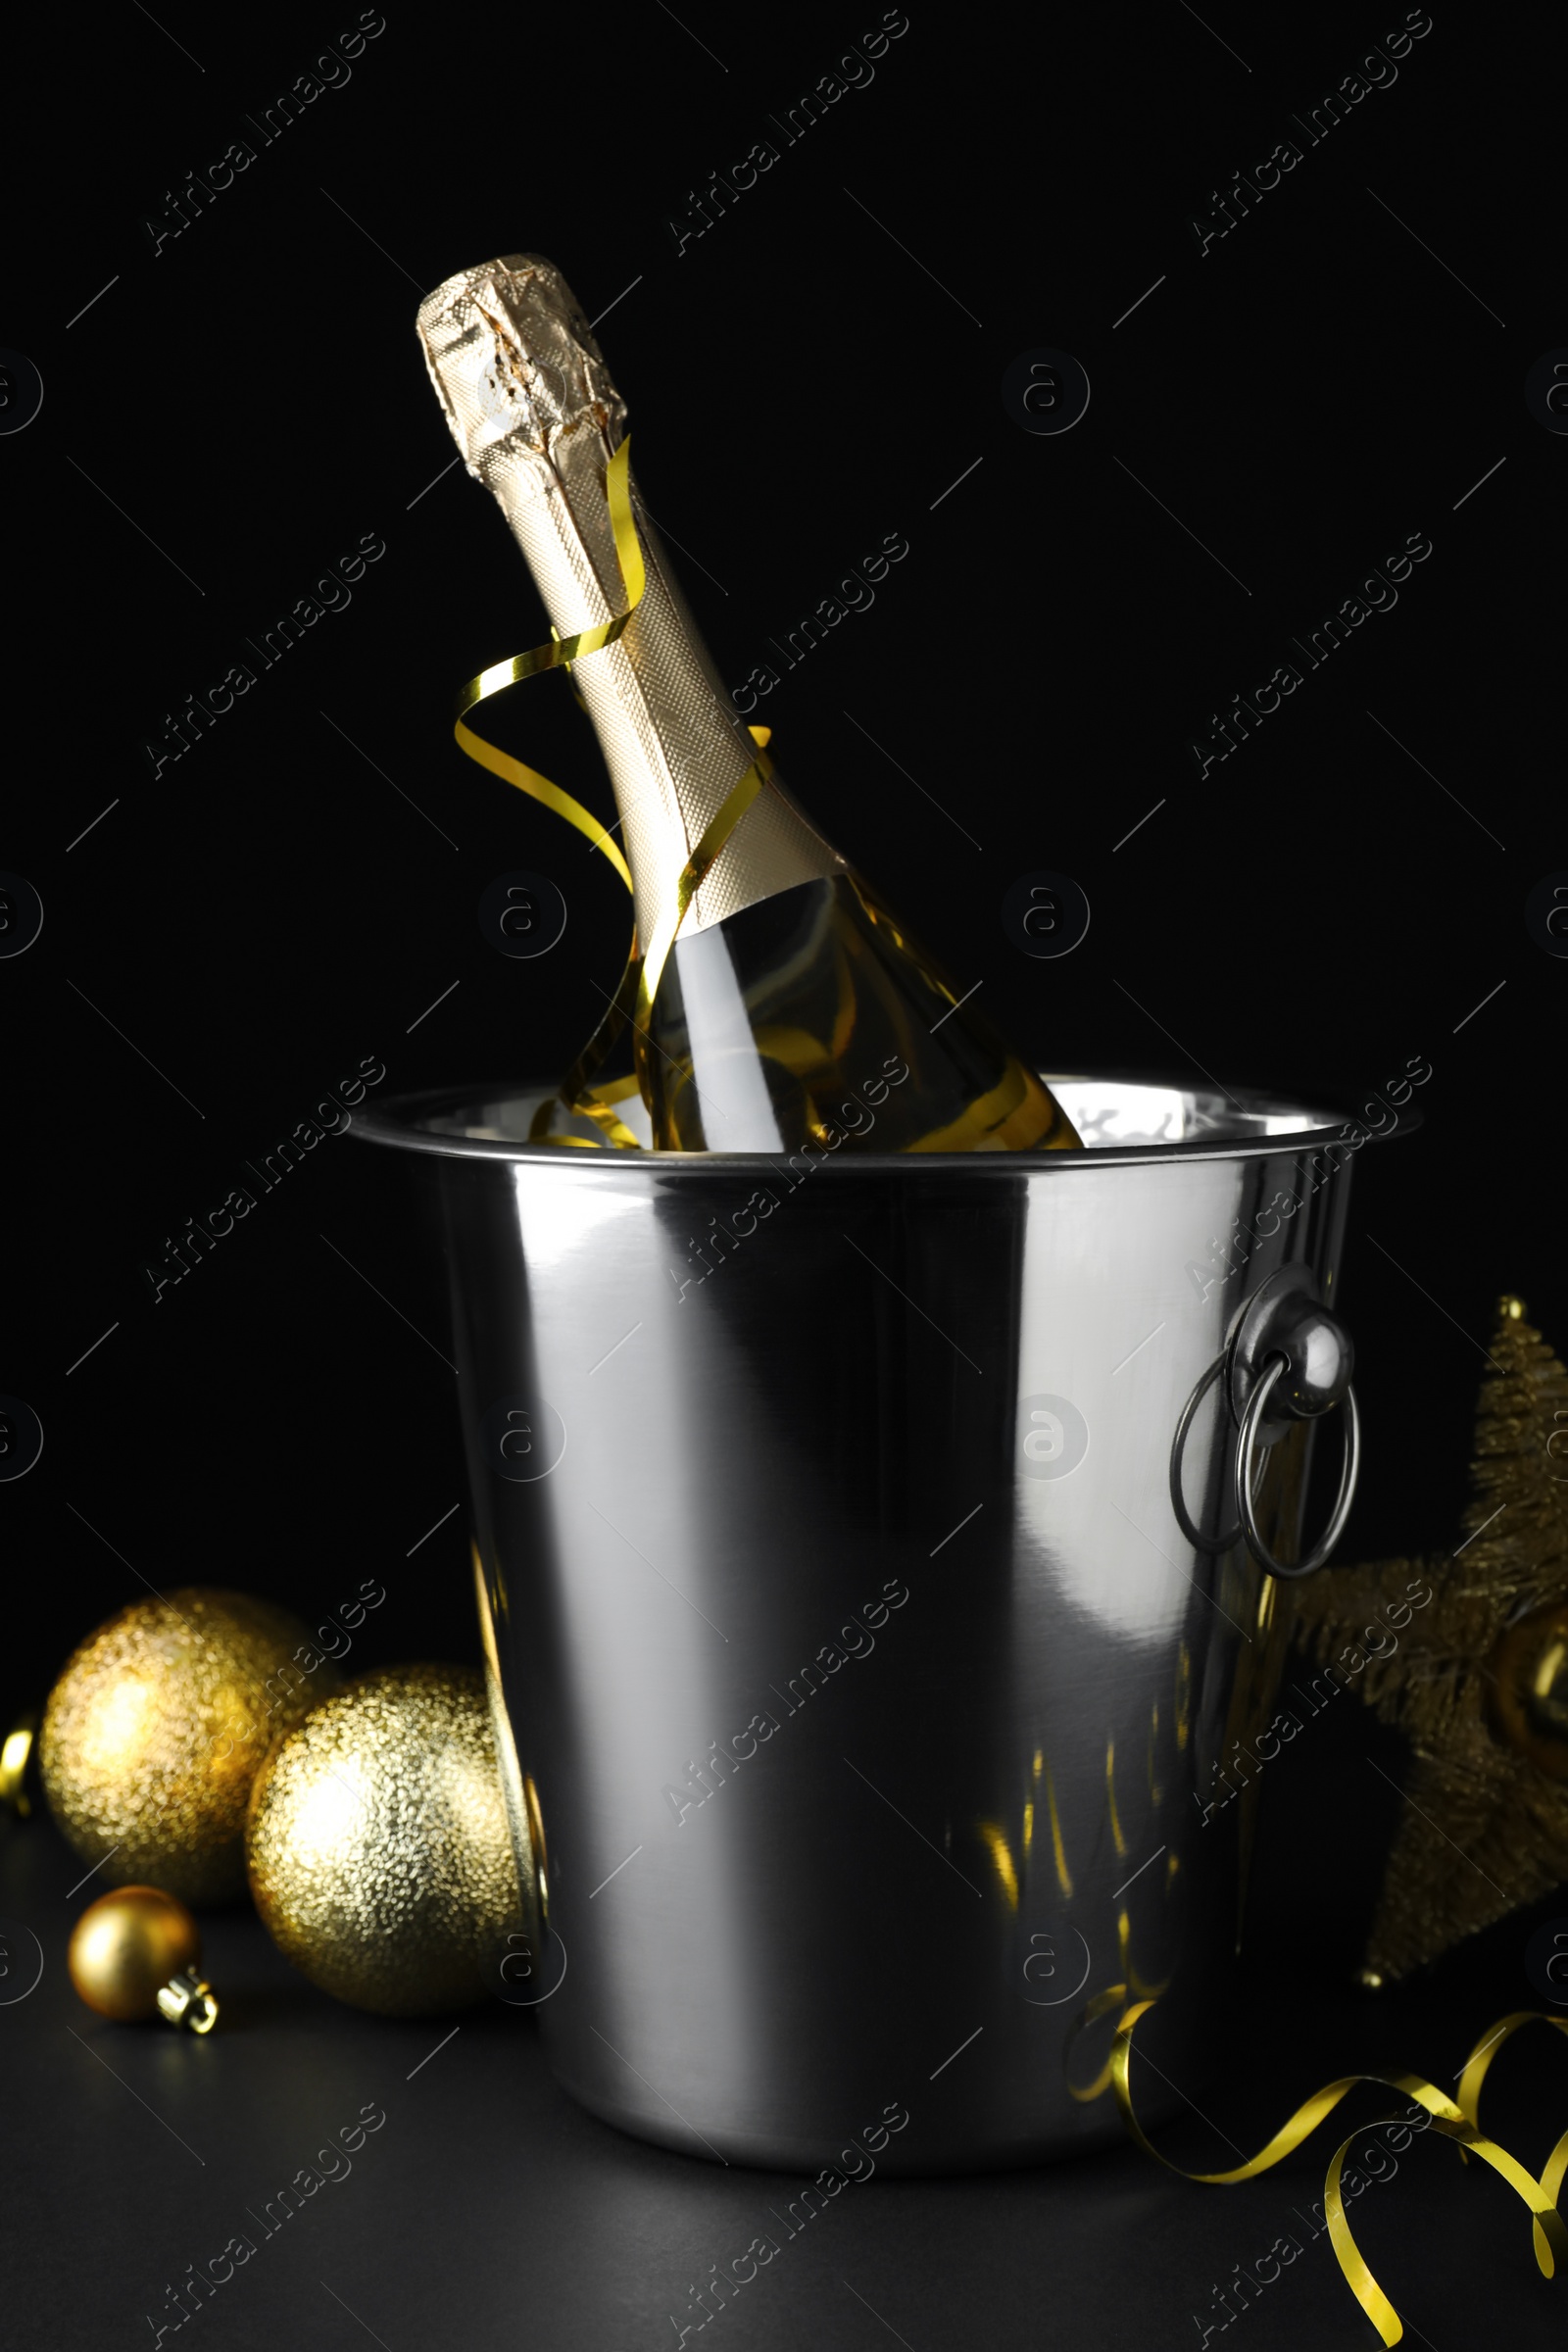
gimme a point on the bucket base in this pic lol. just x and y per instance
(936, 2155)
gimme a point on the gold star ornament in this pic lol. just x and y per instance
(1476, 1678)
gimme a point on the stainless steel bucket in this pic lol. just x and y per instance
(863, 1670)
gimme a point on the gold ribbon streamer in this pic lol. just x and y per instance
(1469, 2100)
(562, 652)
(639, 982)
(1113, 1997)
(693, 873)
(1456, 2121)
(539, 788)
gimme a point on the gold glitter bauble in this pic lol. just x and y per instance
(378, 1844)
(157, 1728)
(125, 1946)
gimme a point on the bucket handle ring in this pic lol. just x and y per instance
(1283, 1332)
(1241, 1486)
(1178, 1501)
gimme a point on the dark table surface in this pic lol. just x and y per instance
(487, 2209)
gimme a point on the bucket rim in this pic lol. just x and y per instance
(401, 1122)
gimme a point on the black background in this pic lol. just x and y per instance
(227, 418)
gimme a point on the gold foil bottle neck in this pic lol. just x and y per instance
(514, 364)
(536, 416)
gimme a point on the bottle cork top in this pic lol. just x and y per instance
(514, 361)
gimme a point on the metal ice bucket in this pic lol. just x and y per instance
(868, 1610)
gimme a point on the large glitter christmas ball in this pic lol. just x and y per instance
(158, 1726)
(378, 1844)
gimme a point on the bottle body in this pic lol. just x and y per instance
(810, 1021)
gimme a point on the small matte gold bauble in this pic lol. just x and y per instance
(157, 1727)
(135, 1953)
(377, 1843)
(1530, 1688)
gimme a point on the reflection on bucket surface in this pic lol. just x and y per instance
(851, 1651)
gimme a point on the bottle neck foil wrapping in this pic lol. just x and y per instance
(537, 419)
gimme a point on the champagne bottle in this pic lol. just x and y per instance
(793, 1009)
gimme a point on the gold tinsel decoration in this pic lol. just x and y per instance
(379, 1854)
(1478, 1679)
(157, 1728)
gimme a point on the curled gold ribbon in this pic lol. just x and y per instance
(562, 652)
(1469, 2100)
(634, 995)
(1114, 1996)
(693, 874)
(1457, 2121)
